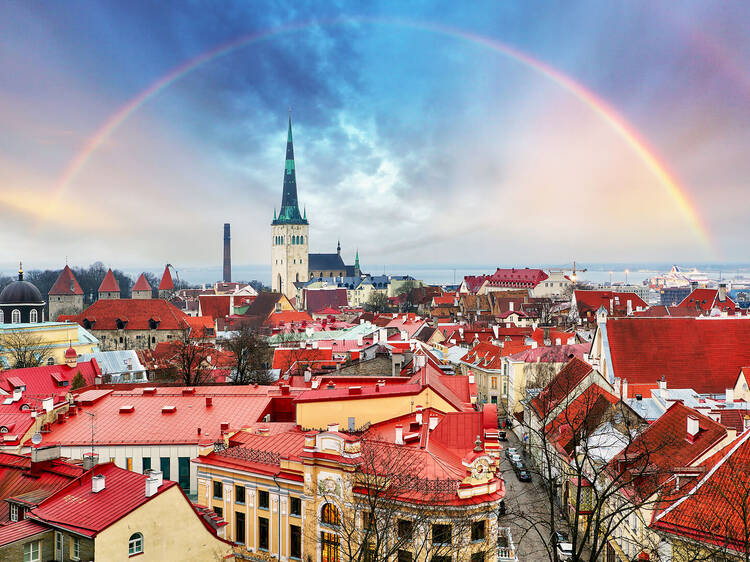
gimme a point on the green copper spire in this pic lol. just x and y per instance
(356, 259)
(289, 213)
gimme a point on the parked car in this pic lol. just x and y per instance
(510, 451)
(523, 475)
(502, 436)
(563, 547)
(515, 457)
(501, 509)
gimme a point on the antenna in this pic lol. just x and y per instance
(92, 434)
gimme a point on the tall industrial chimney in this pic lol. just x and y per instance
(227, 255)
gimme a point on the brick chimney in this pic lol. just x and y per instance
(399, 434)
(152, 486)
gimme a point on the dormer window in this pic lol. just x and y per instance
(153, 324)
(120, 324)
(3, 429)
(87, 324)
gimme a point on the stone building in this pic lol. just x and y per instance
(66, 295)
(109, 288)
(141, 289)
(21, 302)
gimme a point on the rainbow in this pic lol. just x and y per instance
(617, 123)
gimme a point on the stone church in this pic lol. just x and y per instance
(290, 260)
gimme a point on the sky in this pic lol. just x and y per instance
(425, 132)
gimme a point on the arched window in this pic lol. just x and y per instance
(135, 544)
(2, 317)
(50, 361)
(330, 514)
(15, 316)
(33, 316)
(282, 239)
(301, 239)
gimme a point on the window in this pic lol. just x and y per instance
(135, 544)
(493, 383)
(32, 551)
(477, 557)
(405, 556)
(405, 529)
(368, 520)
(295, 506)
(239, 494)
(75, 548)
(262, 533)
(146, 464)
(239, 527)
(15, 316)
(441, 534)
(2, 317)
(218, 489)
(329, 547)
(164, 467)
(129, 463)
(218, 511)
(263, 499)
(330, 514)
(13, 512)
(58, 545)
(50, 361)
(477, 531)
(33, 315)
(295, 541)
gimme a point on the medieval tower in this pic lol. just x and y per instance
(289, 231)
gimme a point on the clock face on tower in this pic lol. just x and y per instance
(480, 469)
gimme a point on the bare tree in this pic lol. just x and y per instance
(252, 356)
(573, 443)
(392, 512)
(24, 349)
(378, 302)
(190, 358)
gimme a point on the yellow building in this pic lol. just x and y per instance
(287, 494)
(51, 339)
(119, 514)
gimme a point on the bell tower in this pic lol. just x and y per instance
(289, 230)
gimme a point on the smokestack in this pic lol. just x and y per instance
(227, 255)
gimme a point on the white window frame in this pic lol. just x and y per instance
(33, 316)
(31, 555)
(59, 543)
(15, 316)
(135, 545)
(13, 511)
(75, 548)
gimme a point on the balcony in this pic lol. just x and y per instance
(506, 550)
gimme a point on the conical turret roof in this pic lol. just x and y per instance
(289, 213)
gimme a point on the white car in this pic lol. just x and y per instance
(514, 457)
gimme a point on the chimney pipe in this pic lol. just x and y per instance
(152, 486)
(227, 255)
(333, 427)
(433, 421)
(97, 483)
(692, 426)
(419, 415)
(209, 401)
(399, 434)
(729, 397)
(722, 292)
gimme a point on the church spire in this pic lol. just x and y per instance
(289, 213)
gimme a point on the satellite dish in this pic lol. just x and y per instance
(36, 438)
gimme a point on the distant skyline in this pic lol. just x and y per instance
(513, 132)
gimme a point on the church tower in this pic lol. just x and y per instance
(289, 230)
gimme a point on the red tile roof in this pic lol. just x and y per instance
(552, 353)
(20, 530)
(76, 508)
(713, 509)
(298, 359)
(135, 313)
(66, 284)
(201, 326)
(282, 317)
(318, 299)
(702, 354)
(616, 304)
(109, 283)
(703, 300)
(45, 381)
(147, 423)
(166, 283)
(17, 480)
(215, 306)
(141, 284)
(665, 446)
(569, 377)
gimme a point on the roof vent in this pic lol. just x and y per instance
(224, 426)
(127, 409)
(355, 390)
(149, 390)
(186, 391)
(168, 409)
(97, 483)
(209, 401)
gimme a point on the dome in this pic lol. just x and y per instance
(70, 352)
(21, 292)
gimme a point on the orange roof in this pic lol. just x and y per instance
(141, 284)
(66, 284)
(135, 314)
(109, 283)
(166, 283)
